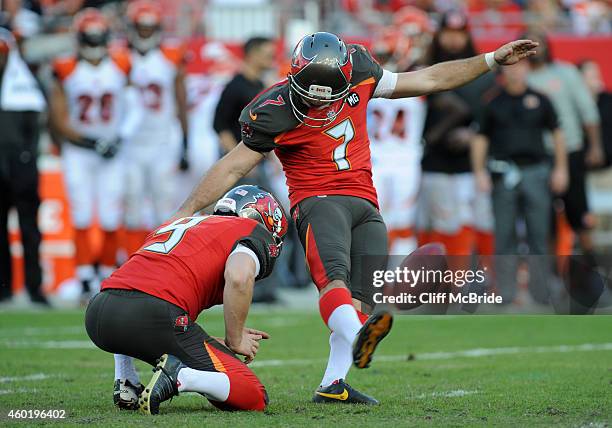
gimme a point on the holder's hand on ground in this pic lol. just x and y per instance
(513, 52)
(249, 344)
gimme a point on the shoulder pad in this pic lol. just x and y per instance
(64, 66)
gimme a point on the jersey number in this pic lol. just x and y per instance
(177, 230)
(398, 125)
(345, 132)
(152, 94)
(86, 102)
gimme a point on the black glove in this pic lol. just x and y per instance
(107, 147)
(184, 162)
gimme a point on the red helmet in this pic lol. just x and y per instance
(412, 21)
(415, 31)
(256, 203)
(92, 32)
(319, 79)
(145, 24)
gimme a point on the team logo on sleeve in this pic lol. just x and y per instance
(273, 250)
(246, 130)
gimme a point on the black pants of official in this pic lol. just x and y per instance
(19, 189)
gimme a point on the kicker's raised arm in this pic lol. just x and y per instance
(452, 74)
(223, 175)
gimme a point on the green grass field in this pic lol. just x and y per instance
(431, 371)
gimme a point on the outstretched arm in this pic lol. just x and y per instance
(223, 175)
(452, 74)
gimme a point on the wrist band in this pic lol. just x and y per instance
(490, 60)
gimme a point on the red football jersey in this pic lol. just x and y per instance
(331, 160)
(183, 262)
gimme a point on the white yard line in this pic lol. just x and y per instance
(46, 344)
(467, 353)
(40, 331)
(17, 391)
(446, 394)
(32, 377)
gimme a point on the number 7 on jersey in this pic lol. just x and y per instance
(346, 132)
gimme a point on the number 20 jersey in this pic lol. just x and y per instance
(330, 160)
(94, 93)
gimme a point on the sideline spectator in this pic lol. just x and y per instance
(513, 127)
(259, 56)
(591, 74)
(21, 101)
(576, 110)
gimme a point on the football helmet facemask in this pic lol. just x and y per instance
(145, 25)
(93, 33)
(319, 79)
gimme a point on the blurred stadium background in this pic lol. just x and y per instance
(213, 32)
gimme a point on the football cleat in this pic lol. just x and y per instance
(125, 394)
(341, 392)
(163, 384)
(373, 331)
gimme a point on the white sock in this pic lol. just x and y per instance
(125, 369)
(344, 324)
(340, 359)
(214, 385)
(344, 321)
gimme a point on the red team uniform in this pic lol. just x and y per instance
(328, 170)
(148, 307)
(183, 262)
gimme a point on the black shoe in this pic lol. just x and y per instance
(342, 392)
(125, 394)
(39, 299)
(162, 386)
(6, 295)
(373, 331)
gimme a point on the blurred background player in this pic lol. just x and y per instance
(450, 209)
(395, 127)
(154, 154)
(94, 109)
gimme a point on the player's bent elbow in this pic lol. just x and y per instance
(239, 279)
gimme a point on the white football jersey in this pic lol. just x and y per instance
(94, 94)
(395, 128)
(154, 74)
